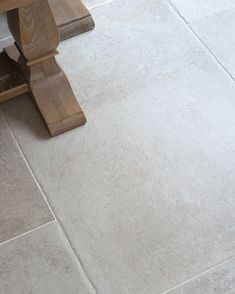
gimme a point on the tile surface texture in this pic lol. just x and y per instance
(192, 10)
(40, 263)
(22, 206)
(5, 36)
(220, 280)
(217, 33)
(145, 191)
(4, 31)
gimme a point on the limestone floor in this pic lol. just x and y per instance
(144, 194)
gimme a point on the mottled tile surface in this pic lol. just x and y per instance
(41, 263)
(145, 190)
(22, 206)
(4, 31)
(5, 36)
(217, 33)
(192, 10)
(220, 280)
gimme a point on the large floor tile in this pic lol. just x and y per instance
(220, 280)
(192, 10)
(145, 190)
(41, 263)
(22, 206)
(217, 33)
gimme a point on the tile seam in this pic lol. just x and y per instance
(211, 54)
(66, 238)
(101, 4)
(26, 233)
(211, 15)
(230, 77)
(219, 264)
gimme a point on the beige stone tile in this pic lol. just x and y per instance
(220, 280)
(216, 32)
(22, 206)
(41, 263)
(145, 191)
(192, 10)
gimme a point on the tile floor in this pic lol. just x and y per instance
(5, 36)
(141, 199)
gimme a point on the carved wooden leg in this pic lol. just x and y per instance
(35, 32)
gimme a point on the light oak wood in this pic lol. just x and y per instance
(36, 35)
(72, 17)
(6, 5)
(14, 92)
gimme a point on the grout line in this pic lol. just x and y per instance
(101, 4)
(211, 53)
(200, 17)
(231, 77)
(6, 38)
(201, 41)
(231, 9)
(219, 264)
(176, 10)
(89, 284)
(27, 233)
(79, 263)
(42, 192)
(29, 167)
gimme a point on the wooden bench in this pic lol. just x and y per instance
(30, 65)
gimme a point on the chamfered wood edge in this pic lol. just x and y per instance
(14, 92)
(77, 27)
(67, 124)
(72, 17)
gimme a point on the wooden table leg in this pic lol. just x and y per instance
(72, 17)
(36, 35)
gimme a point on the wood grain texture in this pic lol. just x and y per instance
(34, 29)
(14, 92)
(72, 17)
(36, 35)
(6, 5)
